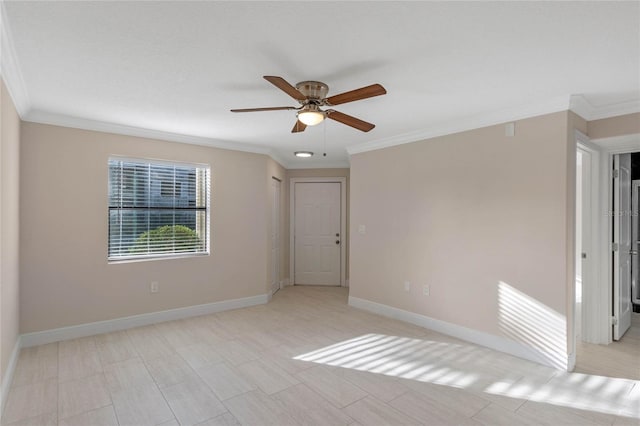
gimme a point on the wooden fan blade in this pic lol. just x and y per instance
(356, 95)
(283, 85)
(356, 123)
(262, 109)
(298, 127)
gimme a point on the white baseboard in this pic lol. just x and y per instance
(89, 329)
(491, 341)
(7, 379)
(571, 361)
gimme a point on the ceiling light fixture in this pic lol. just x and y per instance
(311, 115)
(303, 154)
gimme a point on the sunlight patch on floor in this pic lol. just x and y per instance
(475, 368)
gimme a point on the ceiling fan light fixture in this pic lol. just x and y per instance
(311, 115)
(303, 154)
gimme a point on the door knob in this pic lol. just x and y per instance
(633, 252)
(337, 235)
(337, 241)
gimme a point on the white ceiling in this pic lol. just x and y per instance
(179, 67)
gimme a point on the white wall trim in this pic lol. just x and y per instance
(10, 67)
(7, 379)
(474, 336)
(491, 118)
(619, 144)
(581, 106)
(90, 329)
(593, 313)
(343, 223)
(575, 103)
(319, 164)
(44, 117)
(571, 361)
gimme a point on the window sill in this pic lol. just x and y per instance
(136, 259)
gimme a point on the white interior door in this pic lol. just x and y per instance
(622, 241)
(635, 243)
(275, 236)
(317, 238)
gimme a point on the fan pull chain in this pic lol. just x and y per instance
(324, 154)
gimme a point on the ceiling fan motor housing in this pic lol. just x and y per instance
(313, 90)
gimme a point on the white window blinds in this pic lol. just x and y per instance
(157, 209)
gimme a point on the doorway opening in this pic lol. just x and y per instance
(625, 242)
(607, 266)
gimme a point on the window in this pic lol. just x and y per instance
(157, 209)
(170, 188)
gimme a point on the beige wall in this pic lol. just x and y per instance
(483, 219)
(9, 225)
(319, 173)
(65, 276)
(614, 126)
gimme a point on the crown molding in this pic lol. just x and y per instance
(319, 164)
(576, 103)
(505, 115)
(581, 106)
(619, 144)
(10, 68)
(278, 159)
(43, 117)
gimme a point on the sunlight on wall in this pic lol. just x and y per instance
(477, 369)
(527, 321)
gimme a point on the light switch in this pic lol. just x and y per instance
(362, 229)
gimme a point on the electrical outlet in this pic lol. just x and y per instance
(407, 286)
(153, 288)
(426, 290)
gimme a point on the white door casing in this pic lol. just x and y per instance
(635, 242)
(598, 293)
(622, 245)
(594, 312)
(317, 214)
(275, 235)
(317, 233)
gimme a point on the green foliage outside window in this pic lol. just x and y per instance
(163, 238)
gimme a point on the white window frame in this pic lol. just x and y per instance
(161, 256)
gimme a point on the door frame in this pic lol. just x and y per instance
(343, 223)
(276, 202)
(592, 313)
(603, 314)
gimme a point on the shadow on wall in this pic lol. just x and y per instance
(533, 324)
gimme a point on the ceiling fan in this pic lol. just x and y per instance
(312, 95)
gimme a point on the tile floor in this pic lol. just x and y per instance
(306, 358)
(619, 359)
